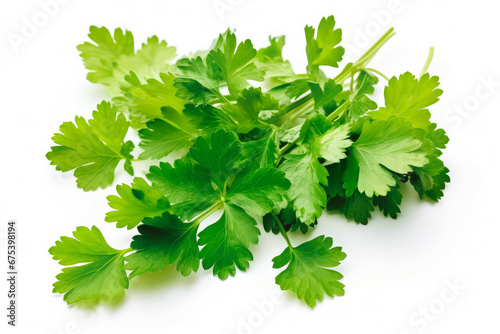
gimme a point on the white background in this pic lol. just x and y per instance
(395, 271)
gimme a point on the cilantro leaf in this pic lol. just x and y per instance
(332, 144)
(306, 175)
(245, 112)
(387, 144)
(408, 97)
(305, 172)
(307, 274)
(206, 118)
(263, 151)
(102, 277)
(162, 138)
(322, 49)
(219, 155)
(100, 58)
(203, 71)
(113, 57)
(235, 63)
(271, 57)
(93, 149)
(144, 102)
(360, 102)
(135, 203)
(358, 207)
(187, 186)
(257, 190)
(226, 242)
(325, 98)
(162, 241)
(390, 203)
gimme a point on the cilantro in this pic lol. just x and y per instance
(280, 152)
(93, 149)
(307, 274)
(102, 277)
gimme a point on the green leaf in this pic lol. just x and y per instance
(382, 145)
(102, 277)
(358, 207)
(431, 180)
(188, 187)
(307, 274)
(256, 190)
(271, 57)
(207, 119)
(263, 151)
(100, 58)
(322, 49)
(205, 72)
(390, 203)
(245, 112)
(162, 241)
(226, 242)
(325, 98)
(305, 172)
(408, 97)
(360, 102)
(162, 138)
(144, 102)
(332, 144)
(235, 63)
(218, 154)
(93, 149)
(135, 203)
(113, 57)
(306, 175)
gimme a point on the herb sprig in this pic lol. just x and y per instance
(280, 151)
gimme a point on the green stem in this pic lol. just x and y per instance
(202, 216)
(128, 250)
(343, 107)
(299, 106)
(220, 96)
(368, 56)
(291, 109)
(427, 62)
(377, 72)
(283, 232)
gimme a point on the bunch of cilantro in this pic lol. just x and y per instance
(259, 143)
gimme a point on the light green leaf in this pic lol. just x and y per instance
(103, 277)
(93, 149)
(307, 274)
(135, 203)
(383, 146)
(408, 97)
(162, 138)
(332, 144)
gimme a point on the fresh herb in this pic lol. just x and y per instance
(280, 152)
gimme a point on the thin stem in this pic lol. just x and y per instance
(377, 72)
(220, 96)
(128, 250)
(283, 232)
(343, 107)
(202, 216)
(368, 56)
(349, 70)
(292, 108)
(427, 62)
